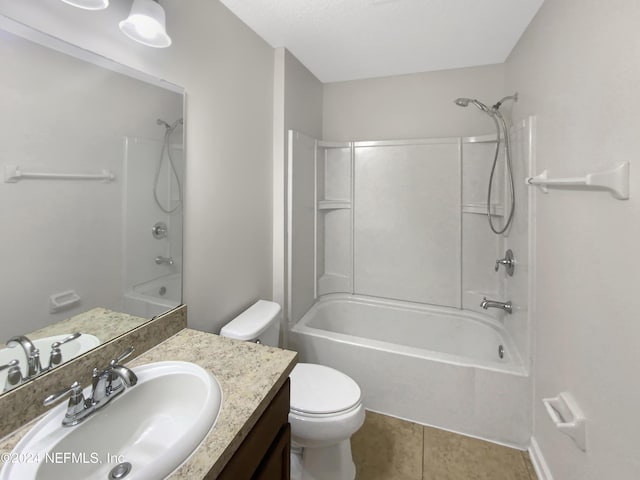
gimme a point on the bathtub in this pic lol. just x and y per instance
(154, 297)
(436, 366)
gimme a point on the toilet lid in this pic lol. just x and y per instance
(318, 389)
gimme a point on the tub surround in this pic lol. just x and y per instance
(477, 394)
(25, 402)
(250, 376)
(103, 323)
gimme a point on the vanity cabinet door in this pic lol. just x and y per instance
(276, 464)
(264, 453)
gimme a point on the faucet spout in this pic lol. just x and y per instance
(506, 306)
(160, 260)
(26, 344)
(125, 374)
(30, 351)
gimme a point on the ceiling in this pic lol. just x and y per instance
(351, 39)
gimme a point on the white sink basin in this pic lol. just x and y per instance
(69, 350)
(154, 425)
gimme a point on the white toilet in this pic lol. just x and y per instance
(326, 405)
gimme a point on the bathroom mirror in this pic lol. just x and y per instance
(91, 191)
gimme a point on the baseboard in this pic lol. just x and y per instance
(542, 470)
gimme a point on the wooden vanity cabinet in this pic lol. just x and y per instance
(265, 452)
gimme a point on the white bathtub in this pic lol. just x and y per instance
(152, 298)
(431, 365)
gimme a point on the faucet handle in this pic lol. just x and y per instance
(76, 393)
(55, 358)
(12, 363)
(77, 409)
(508, 261)
(71, 337)
(14, 375)
(122, 356)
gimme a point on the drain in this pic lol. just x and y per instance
(500, 351)
(120, 471)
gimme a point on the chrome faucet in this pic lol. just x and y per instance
(107, 384)
(506, 306)
(111, 381)
(164, 260)
(34, 367)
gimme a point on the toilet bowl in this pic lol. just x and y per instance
(325, 408)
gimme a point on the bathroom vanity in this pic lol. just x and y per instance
(265, 452)
(251, 437)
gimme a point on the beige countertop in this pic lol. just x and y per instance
(101, 322)
(250, 375)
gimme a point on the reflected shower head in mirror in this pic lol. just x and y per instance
(464, 102)
(180, 121)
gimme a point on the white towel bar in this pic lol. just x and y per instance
(615, 181)
(13, 174)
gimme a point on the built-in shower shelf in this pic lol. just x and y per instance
(481, 208)
(333, 204)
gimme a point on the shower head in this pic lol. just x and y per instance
(180, 121)
(463, 102)
(513, 97)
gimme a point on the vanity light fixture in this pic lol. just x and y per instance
(89, 4)
(146, 24)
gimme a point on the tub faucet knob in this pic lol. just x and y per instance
(508, 261)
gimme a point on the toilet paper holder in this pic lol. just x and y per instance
(568, 418)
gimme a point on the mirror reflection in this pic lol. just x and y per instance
(91, 202)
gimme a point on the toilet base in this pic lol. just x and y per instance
(333, 462)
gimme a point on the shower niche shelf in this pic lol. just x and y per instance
(497, 209)
(334, 204)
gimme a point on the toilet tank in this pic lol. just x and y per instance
(259, 323)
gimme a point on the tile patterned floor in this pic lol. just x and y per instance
(386, 448)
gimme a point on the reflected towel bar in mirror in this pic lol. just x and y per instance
(13, 174)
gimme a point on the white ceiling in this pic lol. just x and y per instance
(350, 39)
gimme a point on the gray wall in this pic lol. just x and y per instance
(411, 106)
(577, 70)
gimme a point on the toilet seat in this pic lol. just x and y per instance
(319, 391)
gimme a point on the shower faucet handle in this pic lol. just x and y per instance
(508, 261)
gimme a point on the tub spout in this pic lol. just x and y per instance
(506, 306)
(164, 260)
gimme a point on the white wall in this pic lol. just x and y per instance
(577, 69)
(297, 106)
(227, 71)
(411, 106)
(59, 234)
